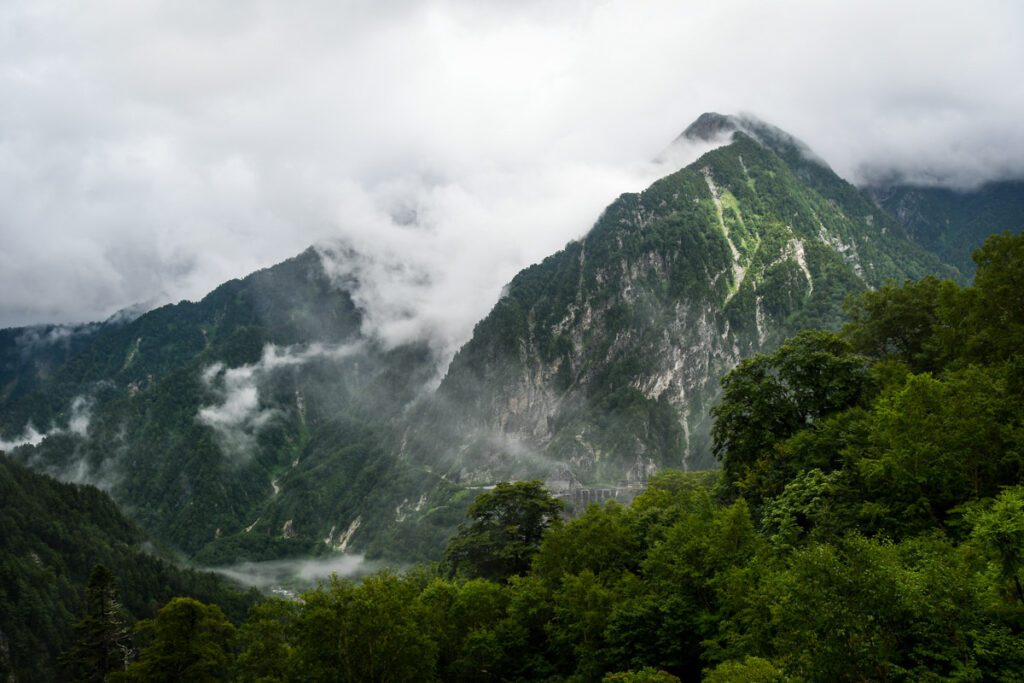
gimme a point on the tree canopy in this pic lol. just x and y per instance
(504, 530)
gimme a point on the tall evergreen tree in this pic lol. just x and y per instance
(188, 641)
(102, 639)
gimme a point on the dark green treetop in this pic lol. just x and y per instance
(505, 531)
(102, 639)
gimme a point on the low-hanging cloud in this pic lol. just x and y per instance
(152, 150)
(426, 259)
(79, 418)
(296, 573)
(240, 416)
(74, 467)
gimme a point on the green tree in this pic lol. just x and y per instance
(375, 631)
(102, 639)
(769, 398)
(999, 529)
(600, 540)
(505, 530)
(645, 675)
(188, 641)
(462, 620)
(576, 633)
(899, 322)
(750, 670)
(264, 639)
(938, 443)
(864, 609)
(995, 322)
(805, 508)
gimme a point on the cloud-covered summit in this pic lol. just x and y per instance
(156, 149)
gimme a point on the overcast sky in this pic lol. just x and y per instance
(151, 150)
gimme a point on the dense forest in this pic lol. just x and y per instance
(52, 536)
(867, 525)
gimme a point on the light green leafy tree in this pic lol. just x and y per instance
(999, 529)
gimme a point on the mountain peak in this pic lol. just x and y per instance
(711, 125)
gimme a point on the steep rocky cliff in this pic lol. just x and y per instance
(601, 363)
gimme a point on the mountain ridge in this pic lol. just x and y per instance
(726, 254)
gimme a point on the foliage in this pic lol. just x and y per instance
(187, 641)
(52, 537)
(867, 525)
(198, 490)
(954, 222)
(750, 670)
(505, 530)
(870, 528)
(102, 641)
(769, 398)
(999, 529)
(644, 675)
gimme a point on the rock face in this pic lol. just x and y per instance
(606, 356)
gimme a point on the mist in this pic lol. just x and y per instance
(79, 417)
(71, 465)
(239, 416)
(297, 573)
(150, 151)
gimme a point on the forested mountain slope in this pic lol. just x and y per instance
(248, 421)
(867, 526)
(51, 536)
(953, 223)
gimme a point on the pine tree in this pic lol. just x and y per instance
(102, 639)
(187, 641)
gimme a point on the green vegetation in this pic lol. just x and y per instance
(102, 641)
(953, 223)
(868, 524)
(186, 641)
(506, 529)
(716, 262)
(54, 598)
(142, 384)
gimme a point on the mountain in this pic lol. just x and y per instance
(196, 416)
(600, 364)
(263, 422)
(51, 537)
(953, 223)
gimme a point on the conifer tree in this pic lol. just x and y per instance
(102, 640)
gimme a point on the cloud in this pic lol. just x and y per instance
(240, 415)
(32, 338)
(152, 150)
(30, 436)
(74, 467)
(77, 425)
(427, 258)
(298, 573)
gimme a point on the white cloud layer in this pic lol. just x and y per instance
(296, 573)
(155, 149)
